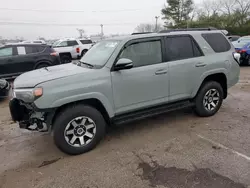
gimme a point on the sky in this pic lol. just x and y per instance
(61, 18)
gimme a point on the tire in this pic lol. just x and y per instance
(206, 100)
(68, 126)
(83, 52)
(42, 65)
(65, 59)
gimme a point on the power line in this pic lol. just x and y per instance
(72, 11)
(56, 24)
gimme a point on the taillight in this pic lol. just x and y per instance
(53, 54)
(236, 57)
(242, 51)
(77, 50)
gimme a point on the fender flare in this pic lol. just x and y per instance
(85, 96)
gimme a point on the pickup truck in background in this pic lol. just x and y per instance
(71, 48)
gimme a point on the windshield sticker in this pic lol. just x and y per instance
(111, 44)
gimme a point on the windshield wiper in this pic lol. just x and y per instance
(84, 63)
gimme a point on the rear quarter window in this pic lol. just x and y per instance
(217, 41)
(86, 41)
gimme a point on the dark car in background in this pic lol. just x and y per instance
(244, 51)
(233, 38)
(4, 89)
(16, 59)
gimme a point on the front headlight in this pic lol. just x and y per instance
(28, 95)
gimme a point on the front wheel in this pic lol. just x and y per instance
(78, 129)
(209, 99)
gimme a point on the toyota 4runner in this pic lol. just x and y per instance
(124, 79)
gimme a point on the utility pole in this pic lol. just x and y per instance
(156, 25)
(102, 31)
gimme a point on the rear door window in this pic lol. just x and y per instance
(72, 43)
(29, 49)
(217, 41)
(86, 41)
(181, 47)
(21, 50)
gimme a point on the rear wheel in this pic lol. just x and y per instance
(42, 65)
(209, 99)
(83, 52)
(78, 129)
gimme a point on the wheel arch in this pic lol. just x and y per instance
(219, 77)
(42, 62)
(93, 102)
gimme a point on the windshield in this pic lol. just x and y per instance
(56, 43)
(99, 54)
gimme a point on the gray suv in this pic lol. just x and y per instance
(120, 80)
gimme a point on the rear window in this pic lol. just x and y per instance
(86, 41)
(217, 41)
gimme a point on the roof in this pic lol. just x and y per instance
(25, 44)
(138, 36)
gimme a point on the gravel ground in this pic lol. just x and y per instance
(173, 150)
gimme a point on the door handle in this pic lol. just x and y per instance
(200, 64)
(162, 71)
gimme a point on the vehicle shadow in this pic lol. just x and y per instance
(169, 119)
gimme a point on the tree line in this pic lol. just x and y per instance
(231, 15)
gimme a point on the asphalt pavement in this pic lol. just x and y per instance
(173, 150)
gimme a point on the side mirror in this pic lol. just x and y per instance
(123, 63)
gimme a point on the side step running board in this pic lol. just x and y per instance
(137, 115)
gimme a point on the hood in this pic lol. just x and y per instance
(33, 78)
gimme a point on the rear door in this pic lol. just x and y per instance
(186, 65)
(26, 58)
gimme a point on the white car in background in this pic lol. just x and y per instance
(71, 48)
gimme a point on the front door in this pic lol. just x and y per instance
(147, 83)
(6, 61)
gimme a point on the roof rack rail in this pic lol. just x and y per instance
(141, 33)
(188, 29)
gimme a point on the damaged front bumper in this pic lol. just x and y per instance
(29, 117)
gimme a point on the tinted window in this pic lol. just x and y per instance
(34, 49)
(40, 48)
(197, 51)
(217, 42)
(181, 47)
(143, 53)
(72, 43)
(29, 49)
(6, 52)
(86, 41)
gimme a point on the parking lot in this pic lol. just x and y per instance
(176, 149)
